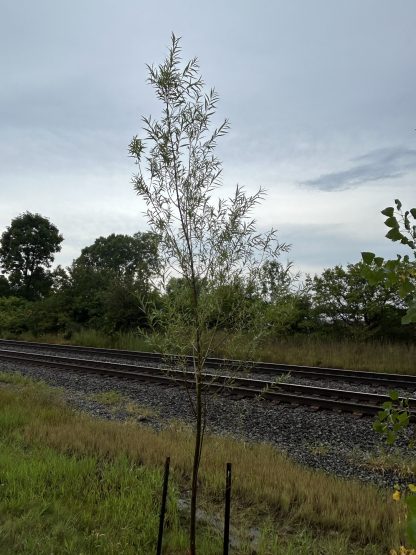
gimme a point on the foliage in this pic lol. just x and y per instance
(393, 419)
(126, 256)
(211, 245)
(400, 272)
(15, 314)
(108, 284)
(27, 249)
(344, 300)
(4, 287)
(277, 281)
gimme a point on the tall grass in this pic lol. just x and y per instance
(340, 353)
(95, 487)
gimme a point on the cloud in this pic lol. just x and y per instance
(384, 163)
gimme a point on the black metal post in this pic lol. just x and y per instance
(163, 507)
(227, 509)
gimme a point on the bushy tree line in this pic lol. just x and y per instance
(109, 285)
(105, 288)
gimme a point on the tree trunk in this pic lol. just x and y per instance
(197, 457)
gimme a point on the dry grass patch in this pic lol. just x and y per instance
(120, 403)
(402, 465)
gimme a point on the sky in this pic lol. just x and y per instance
(320, 96)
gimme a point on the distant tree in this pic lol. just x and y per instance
(345, 301)
(126, 256)
(27, 250)
(277, 281)
(111, 279)
(4, 287)
(15, 313)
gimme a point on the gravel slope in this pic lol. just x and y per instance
(330, 441)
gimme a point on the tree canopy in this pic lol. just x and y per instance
(126, 256)
(27, 250)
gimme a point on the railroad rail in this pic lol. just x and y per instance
(239, 387)
(270, 368)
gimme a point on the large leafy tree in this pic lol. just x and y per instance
(209, 243)
(111, 279)
(344, 301)
(27, 250)
(126, 256)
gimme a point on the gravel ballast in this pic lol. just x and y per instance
(334, 442)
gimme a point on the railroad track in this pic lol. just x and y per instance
(238, 387)
(273, 369)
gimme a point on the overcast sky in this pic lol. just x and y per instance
(320, 95)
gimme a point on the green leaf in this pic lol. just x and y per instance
(410, 316)
(391, 265)
(368, 257)
(413, 212)
(403, 419)
(398, 203)
(405, 288)
(389, 211)
(394, 234)
(394, 395)
(391, 222)
(406, 220)
(387, 405)
(378, 261)
(378, 427)
(391, 438)
(382, 415)
(378, 276)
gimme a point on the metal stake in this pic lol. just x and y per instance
(163, 507)
(227, 509)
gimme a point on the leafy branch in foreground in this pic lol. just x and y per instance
(208, 244)
(400, 272)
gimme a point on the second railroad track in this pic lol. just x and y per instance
(229, 384)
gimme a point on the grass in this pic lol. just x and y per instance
(73, 484)
(402, 465)
(111, 398)
(119, 403)
(371, 356)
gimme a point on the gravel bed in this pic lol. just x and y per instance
(339, 384)
(284, 378)
(334, 442)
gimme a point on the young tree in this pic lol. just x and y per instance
(27, 250)
(208, 242)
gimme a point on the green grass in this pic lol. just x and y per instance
(55, 503)
(77, 485)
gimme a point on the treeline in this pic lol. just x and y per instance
(113, 282)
